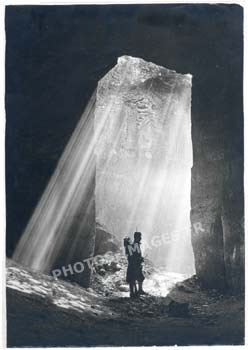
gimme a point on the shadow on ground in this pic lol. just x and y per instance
(43, 312)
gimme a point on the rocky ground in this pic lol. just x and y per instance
(42, 311)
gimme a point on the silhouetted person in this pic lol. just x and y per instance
(135, 260)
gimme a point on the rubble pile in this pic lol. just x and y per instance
(109, 276)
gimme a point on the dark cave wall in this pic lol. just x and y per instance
(217, 191)
(217, 200)
(233, 223)
(207, 236)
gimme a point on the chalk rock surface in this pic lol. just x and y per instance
(144, 156)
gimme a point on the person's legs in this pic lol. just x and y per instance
(135, 287)
(132, 288)
(140, 286)
(141, 291)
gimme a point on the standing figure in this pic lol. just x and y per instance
(135, 260)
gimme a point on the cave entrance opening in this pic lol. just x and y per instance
(144, 160)
(153, 198)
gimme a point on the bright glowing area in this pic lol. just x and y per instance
(65, 210)
(144, 159)
(126, 167)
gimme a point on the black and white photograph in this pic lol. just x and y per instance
(124, 174)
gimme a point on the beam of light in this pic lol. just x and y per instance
(62, 226)
(109, 173)
(48, 228)
(135, 190)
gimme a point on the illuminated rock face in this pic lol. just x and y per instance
(144, 157)
(143, 161)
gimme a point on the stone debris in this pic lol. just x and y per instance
(106, 304)
(178, 309)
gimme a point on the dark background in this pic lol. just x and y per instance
(56, 54)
